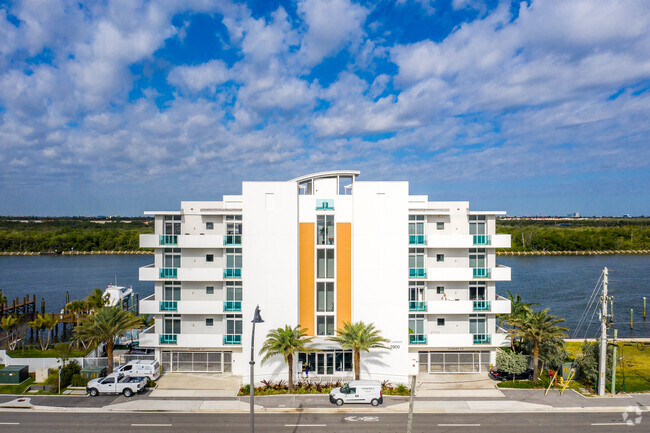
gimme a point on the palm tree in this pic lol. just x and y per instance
(518, 308)
(10, 324)
(536, 327)
(105, 326)
(44, 323)
(287, 342)
(76, 308)
(359, 337)
(97, 299)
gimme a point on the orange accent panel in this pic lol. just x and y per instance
(307, 277)
(343, 274)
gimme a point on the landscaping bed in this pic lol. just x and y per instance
(304, 387)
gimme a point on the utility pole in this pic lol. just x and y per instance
(602, 365)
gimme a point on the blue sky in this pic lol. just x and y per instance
(116, 107)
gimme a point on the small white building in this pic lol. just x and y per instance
(318, 251)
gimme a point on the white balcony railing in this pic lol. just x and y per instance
(151, 305)
(450, 306)
(181, 241)
(452, 341)
(151, 273)
(468, 241)
(184, 340)
(497, 273)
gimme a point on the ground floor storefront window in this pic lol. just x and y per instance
(328, 362)
(454, 362)
(207, 362)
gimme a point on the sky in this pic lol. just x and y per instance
(117, 107)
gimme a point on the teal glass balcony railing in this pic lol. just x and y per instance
(417, 273)
(417, 306)
(417, 339)
(168, 272)
(482, 339)
(168, 338)
(232, 339)
(482, 240)
(232, 306)
(232, 240)
(481, 272)
(168, 240)
(417, 240)
(324, 204)
(168, 305)
(481, 305)
(232, 273)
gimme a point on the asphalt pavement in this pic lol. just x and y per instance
(11, 422)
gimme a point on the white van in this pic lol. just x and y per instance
(140, 367)
(358, 391)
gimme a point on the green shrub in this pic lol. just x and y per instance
(78, 380)
(67, 371)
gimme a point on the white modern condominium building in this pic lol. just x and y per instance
(318, 251)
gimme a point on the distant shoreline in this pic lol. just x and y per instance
(499, 253)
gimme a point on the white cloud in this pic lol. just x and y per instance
(331, 25)
(196, 78)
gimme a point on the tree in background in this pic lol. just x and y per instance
(105, 326)
(511, 362)
(589, 359)
(10, 325)
(44, 323)
(63, 352)
(286, 342)
(97, 299)
(77, 308)
(536, 327)
(359, 337)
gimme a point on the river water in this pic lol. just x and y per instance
(561, 283)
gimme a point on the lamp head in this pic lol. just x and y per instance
(257, 318)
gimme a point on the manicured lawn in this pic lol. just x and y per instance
(50, 353)
(16, 389)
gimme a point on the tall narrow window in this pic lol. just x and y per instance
(477, 258)
(477, 324)
(172, 291)
(233, 230)
(172, 324)
(416, 296)
(233, 263)
(416, 263)
(325, 297)
(416, 325)
(325, 263)
(324, 325)
(233, 324)
(345, 185)
(477, 291)
(477, 224)
(325, 229)
(416, 230)
(172, 258)
(172, 225)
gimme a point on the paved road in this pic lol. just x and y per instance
(11, 422)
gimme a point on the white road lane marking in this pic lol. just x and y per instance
(459, 425)
(305, 425)
(9, 423)
(151, 425)
(610, 423)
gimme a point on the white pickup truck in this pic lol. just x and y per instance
(116, 383)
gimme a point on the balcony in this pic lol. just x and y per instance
(232, 273)
(168, 272)
(482, 338)
(150, 305)
(232, 306)
(417, 339)
(168, 339)
(417, 306)
(168, 305)
(481, 239)
(417, 240)
(232, 240)
(455, 306)
(497, 273)
(182, 241)
(324, 204)
(481, 272)
(168, 240)
(468, 241)
(450, 341)
(151, 273)
(481, 305)
(417, 273)
(232, 339)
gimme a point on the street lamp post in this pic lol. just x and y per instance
(256, 319)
